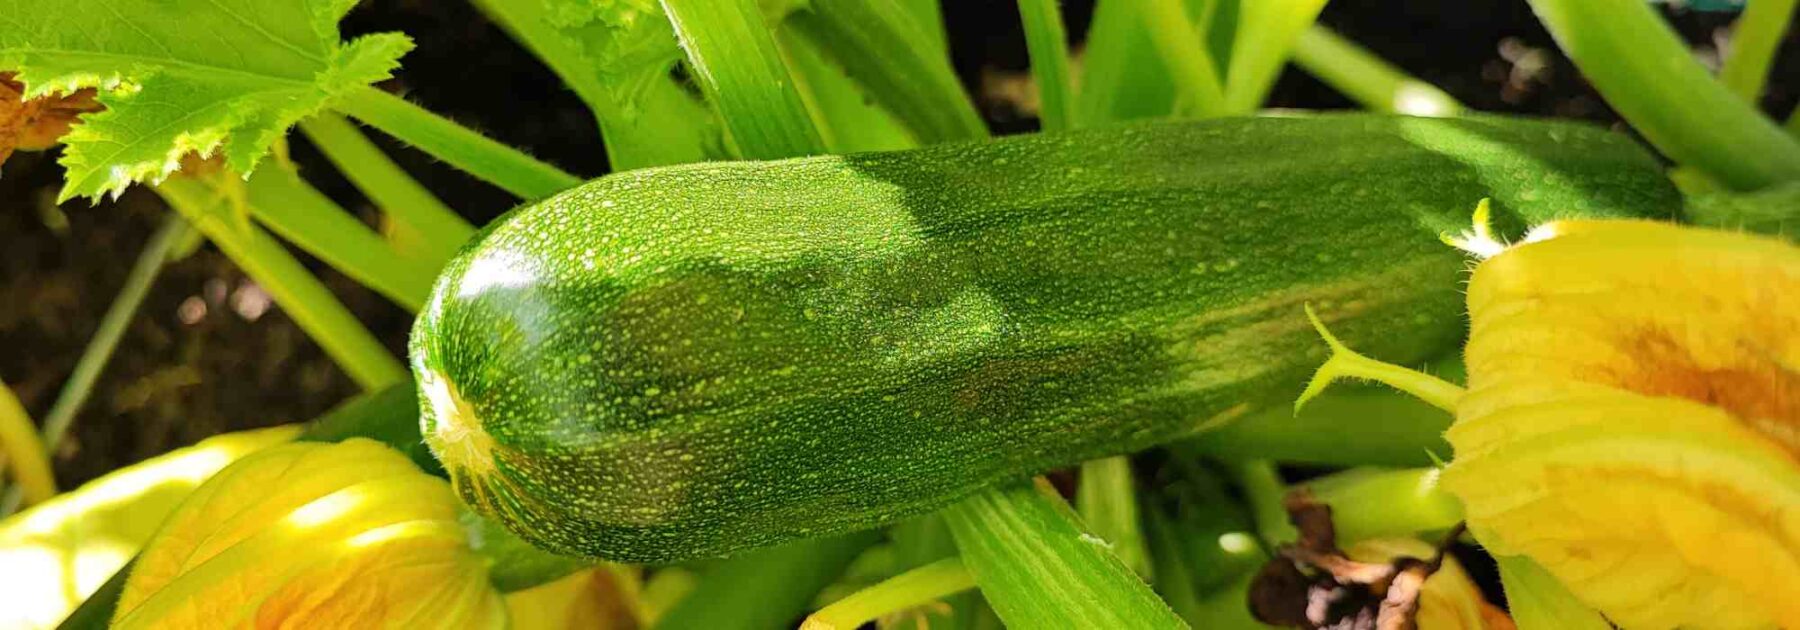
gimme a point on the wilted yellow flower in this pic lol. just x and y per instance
(1449, 599)
(328, 535)
(1632, 422)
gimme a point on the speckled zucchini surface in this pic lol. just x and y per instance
(689, 361)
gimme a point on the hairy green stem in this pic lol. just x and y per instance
(898, 60)
(106, 338)
(1049, 50)
(912, 589)
(733, 55)
(439, 230)
(1351, 425)
(1366, 78)
(1266, 493)
(1647, 73)
(304, 298)
(1754, 41)
(1038, 568)
(279, 199)
(1106, 498)
(490, 161)
(1370, 503)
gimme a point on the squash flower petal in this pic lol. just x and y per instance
(324, 535)
(1632, 421)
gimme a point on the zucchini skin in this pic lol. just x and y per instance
(689, 361)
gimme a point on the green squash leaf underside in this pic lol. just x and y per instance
(629, 43)
(185, 76)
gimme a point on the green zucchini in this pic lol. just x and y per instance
(689, 361)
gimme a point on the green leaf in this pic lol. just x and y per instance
(629, 42)
(617, 56)
(1039, 569)
(185, 76)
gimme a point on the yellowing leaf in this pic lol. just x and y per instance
(332, 535)
(1633, 420)
(39, 123)
(181, 76)
(56, 553)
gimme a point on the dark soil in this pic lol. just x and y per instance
(174, 383)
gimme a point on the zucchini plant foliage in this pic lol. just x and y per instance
(227, 77)
(684, 362)
(687, 362)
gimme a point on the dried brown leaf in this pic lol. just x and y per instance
(39, 123)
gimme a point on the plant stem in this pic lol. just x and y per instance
(440, 230)
(1040, 570)
(908, 590)
(24, 451)
(766, 588)
(1122, 76)
(885, 48)
(930, 16)
(1350, 425)
(1266, 30)
(279, 199)
(1647, 74)
(732, 53)
(1195, 75)
(1774, 211)
(1367, 78)
(1049, 50)
(490, 161)
(304, 298)
(668, 125)
(1369, 503)
(848, 118)
(1106, 498)
(112, 327)
(1754, 41)
(1265, 492)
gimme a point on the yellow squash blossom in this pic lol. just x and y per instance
(57, 553)
(1632, 421)
(348, 535)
